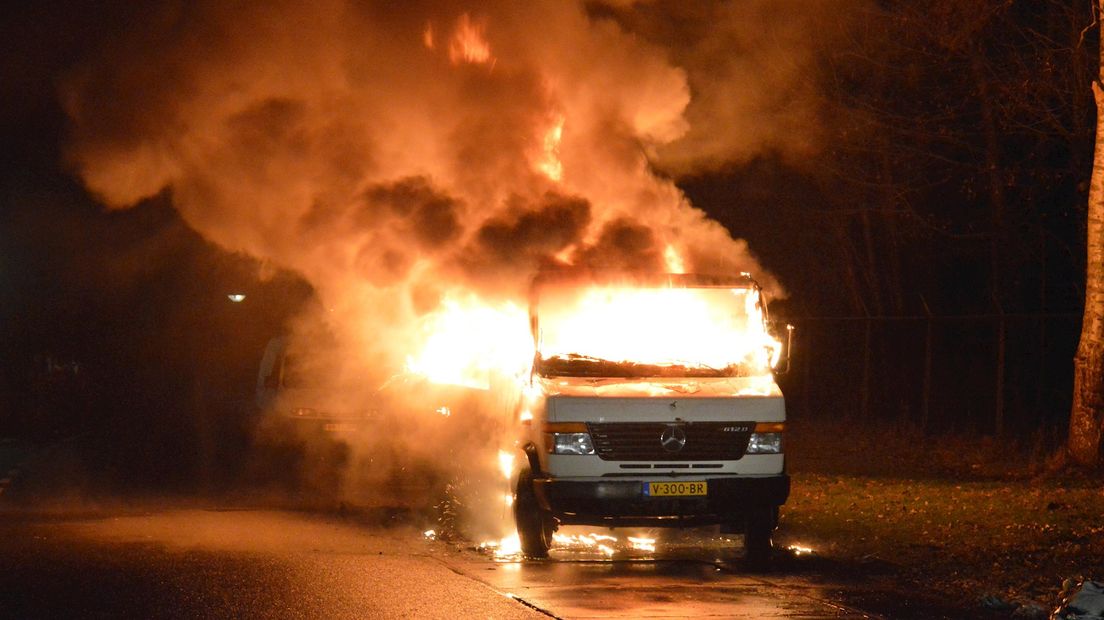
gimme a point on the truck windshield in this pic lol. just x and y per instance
(626, 331)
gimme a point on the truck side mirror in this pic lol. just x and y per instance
(776, 328)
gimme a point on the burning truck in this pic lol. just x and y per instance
(651, 402)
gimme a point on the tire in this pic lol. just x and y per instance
(757, 537)
(534, 526)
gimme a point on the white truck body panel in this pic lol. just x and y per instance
(563, 466)
(673, 440)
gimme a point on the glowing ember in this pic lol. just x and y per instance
(508, 499)
(642, 544)
(469, 42)
(444, 411)
(799, 550)
(430, 534)
(583, 540)
(509, 546)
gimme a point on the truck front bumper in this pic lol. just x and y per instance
(613, 502)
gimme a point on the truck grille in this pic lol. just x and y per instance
(641, 441)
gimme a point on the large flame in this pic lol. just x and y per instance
(710, 327)
(468, 342)
(716, 328)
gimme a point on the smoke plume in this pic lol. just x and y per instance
(402, 155)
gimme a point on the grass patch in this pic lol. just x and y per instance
(958, 519)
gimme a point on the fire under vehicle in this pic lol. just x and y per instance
(652, 402)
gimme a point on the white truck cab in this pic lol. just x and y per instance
(651, 403)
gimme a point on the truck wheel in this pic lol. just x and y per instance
(757, 537)
(534, 526)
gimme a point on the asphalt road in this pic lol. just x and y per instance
(67, 551)
(191, 562)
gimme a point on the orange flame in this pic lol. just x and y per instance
(641, 543)
(469, 42)
(586, 541)
(506, 464)
(673, 260)
(549, 162)
(427, 37)
(712, 327)
(467, 341)
(508, 546)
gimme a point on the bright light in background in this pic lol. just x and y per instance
(236, 297)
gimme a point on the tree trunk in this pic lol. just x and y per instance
(1087, 414)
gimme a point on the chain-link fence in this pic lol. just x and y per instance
(993, 373)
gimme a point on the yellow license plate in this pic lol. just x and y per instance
(339, 427)
(681, 488)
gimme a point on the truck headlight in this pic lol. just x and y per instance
(572, 443)
(567, 438)
(767, 438)
(765, 443)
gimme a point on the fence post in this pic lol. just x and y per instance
(925, 398)
(806, 383)
(998, 405)
(865, 406)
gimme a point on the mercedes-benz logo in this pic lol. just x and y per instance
(673, 438)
